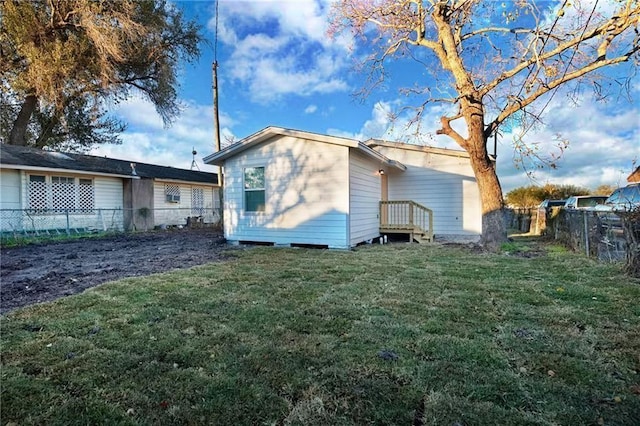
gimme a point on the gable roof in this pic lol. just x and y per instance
(634, 176)
(21, 157)
(267, 133)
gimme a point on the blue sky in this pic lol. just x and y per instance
(278, 67)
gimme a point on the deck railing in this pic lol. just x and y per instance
(406, 216)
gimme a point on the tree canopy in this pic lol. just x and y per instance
(492, 62)
(62, 62)
(533, 195)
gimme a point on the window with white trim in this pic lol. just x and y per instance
(254, 189)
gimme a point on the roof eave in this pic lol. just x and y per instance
(380, 157)
(410, 147)
(218, 158)
(68, 171)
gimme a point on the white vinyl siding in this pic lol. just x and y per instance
(108, 192)
(105, 213)
(10, 189)
(444, 183)
(365, 194)
(210, 199)
(306, 194)
(170, 213)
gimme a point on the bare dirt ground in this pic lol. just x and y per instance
(41, 272)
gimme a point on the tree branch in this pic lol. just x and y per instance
(538, 58)
(519, 104)
(449, 131)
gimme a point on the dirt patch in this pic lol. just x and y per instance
(42, 272)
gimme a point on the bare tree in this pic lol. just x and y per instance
(493, 61)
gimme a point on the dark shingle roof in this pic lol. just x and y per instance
(26, 156)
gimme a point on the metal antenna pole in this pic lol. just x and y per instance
(193, 159)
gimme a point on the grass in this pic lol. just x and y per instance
(394, 334)
(8, 240)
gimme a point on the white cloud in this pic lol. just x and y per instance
(148, 141)
(603, 143)
(311, 109)
(281, 48)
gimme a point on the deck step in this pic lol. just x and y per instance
(422, 238)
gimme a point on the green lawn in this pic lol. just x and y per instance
(395, 334)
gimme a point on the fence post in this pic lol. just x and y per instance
(66, 212)
(586, 232)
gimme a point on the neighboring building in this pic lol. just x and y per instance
(123, 194)
(635, 176)
(290, 187)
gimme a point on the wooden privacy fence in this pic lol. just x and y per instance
(408, 217)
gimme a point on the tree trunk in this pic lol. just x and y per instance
(18, 134)
(494, 229)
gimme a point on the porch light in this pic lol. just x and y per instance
(381, 172)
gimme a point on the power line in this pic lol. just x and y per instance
(544, 43)
(566, 69)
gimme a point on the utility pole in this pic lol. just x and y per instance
(216, 116)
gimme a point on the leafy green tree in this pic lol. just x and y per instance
(62, 61)
(493, 63)
(531, 196)
(525, 196)
(561, 192)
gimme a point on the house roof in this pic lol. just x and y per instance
(20, 157)
(634, 176)
(267, 133)
(411, 147)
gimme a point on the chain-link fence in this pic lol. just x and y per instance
(32, 223)
(598, 234)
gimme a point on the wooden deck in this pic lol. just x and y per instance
(407, 217)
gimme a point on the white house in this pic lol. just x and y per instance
(44, 189)
(289, 187)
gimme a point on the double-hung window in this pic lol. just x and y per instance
(254, 189)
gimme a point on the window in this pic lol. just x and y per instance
(86, 195)
(172, 193)
(61, 193)
(38, 192)
(197, 201)
(254, 199)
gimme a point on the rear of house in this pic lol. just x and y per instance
(288, 187)
(298, 188)
(439, 179)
